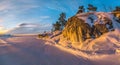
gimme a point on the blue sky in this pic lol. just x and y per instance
(44, 12)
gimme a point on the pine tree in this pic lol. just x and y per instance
(56, 26)
(59, 25)
(81, 9)
(91, 8)
(116, 13)
(62, 20)
(117, 9)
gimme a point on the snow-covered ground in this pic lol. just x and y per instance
(29, 50)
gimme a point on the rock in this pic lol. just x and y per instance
(76, 30)
(99, 29)
(80, 27)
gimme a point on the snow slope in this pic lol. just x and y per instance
(24, 50)
(29, 50)
(108, 41)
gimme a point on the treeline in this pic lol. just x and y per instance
(90, 8)
(60, 23)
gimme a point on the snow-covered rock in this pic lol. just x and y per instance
(108, 41)
(89, 25)
(93, 31)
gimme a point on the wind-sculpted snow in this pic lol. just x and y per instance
(107, 43)
(28, 50)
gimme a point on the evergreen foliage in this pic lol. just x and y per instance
(59, 25)
(81, 9)
(91, 8)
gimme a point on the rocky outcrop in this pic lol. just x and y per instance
(99, 29)
(80, 27)
(76, 30)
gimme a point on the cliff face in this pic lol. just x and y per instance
(76, 30)
(89, 25)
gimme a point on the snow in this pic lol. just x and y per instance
(108, 41)
(30, 50)
(95, 59)
(98, 18)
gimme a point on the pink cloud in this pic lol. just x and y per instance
(1, 20)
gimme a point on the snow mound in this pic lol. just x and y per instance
(107, 43)
(93, 31)
(93, 18)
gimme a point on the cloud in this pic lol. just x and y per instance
(28, 25)
(35, 25)
(30, 28)
(1, 20)
(7, 6)
(11, 11)
(26, 1)
(20, 11)
(2, 30)
(56, 5)
(44, 17)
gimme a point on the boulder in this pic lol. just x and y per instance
(91, 25)
(76, 30)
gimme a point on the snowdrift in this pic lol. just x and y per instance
(83, 32)
(107, 43)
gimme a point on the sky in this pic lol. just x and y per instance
(44, 13)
